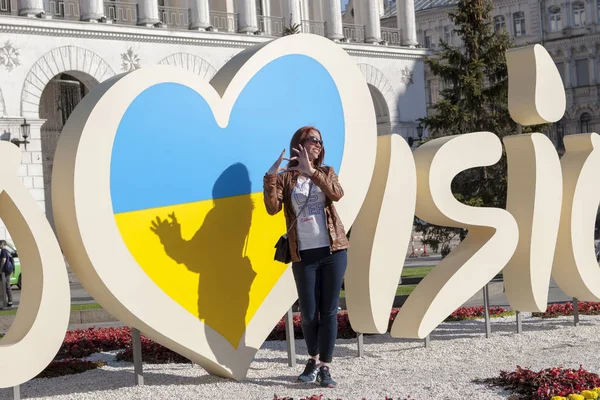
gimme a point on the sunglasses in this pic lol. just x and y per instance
(314, 140)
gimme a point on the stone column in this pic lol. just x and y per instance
(565, 15)
(407, 23)
(267, 25)
(292, 13)
(30, 8)
(148, 13)
(589, 12)
(568, 69)
(91, 10)
(373, 25)
(593, 66)
(509, 24)
(200, 15)
(333, 20)
(248, 22)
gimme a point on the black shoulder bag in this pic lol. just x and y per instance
(282, 247)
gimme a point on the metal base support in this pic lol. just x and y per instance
(289, 338)
(575, 311)
(486, 308)
(136, 341)
(519, 322)
(17, 392)
(360, 340)
(427, 341)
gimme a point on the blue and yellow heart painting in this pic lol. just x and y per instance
(187, 193)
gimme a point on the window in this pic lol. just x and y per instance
(448, 34)
(519, 23)
(555, 21)
(584, 123)
(500, 23)
(560, 66)
(582, 69)
(427, 39)
(578, 14)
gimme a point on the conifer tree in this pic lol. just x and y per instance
(474, 97)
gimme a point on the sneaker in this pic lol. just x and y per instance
(324, 378)
(310, 372)
(9, 304)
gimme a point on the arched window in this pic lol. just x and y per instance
(500, 23)
(555, 23)
(578, 14)
(519, 23)
(584, 123)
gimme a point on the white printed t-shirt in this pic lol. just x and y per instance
(311, 225)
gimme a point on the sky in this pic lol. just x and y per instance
(344, 2)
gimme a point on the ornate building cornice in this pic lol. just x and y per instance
(84, 30)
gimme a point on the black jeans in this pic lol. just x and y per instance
(319, 279)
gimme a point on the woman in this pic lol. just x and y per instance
(317, 241)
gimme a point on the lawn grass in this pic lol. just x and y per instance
(74, 307)
(402, 290)
(417, 272)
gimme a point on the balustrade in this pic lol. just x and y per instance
(354, 33)
(223, 21)
(122, 12)
(314, 27)
(63, 9)
(391, 36)
(174, 17)
(272, 26)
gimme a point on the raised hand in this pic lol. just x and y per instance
(304, 164)
(166, 230)
(276, 167)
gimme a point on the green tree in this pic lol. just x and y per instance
(474, 97)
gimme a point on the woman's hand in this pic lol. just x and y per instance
(276, 167)
(304, 164)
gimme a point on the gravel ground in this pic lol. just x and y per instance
(391, 367)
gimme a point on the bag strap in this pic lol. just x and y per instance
(303, 207)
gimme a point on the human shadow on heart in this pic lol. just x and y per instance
(217, 253)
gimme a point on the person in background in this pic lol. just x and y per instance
(6, 268)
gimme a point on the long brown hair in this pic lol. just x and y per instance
(299, 137)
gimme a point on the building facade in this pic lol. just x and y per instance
(568, 29)
(53, 52)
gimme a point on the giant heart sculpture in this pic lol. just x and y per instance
(157, 191)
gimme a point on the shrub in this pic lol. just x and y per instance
(69, 366)
(543, 385)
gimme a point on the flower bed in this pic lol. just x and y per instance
(548, 384)
(84, 342)
(152, 353)
(68, 366)
(477, 312)
(321, 397)
(566, 309)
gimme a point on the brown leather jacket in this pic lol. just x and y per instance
(277, 193)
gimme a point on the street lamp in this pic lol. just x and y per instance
(420, 132)
(25, 129)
